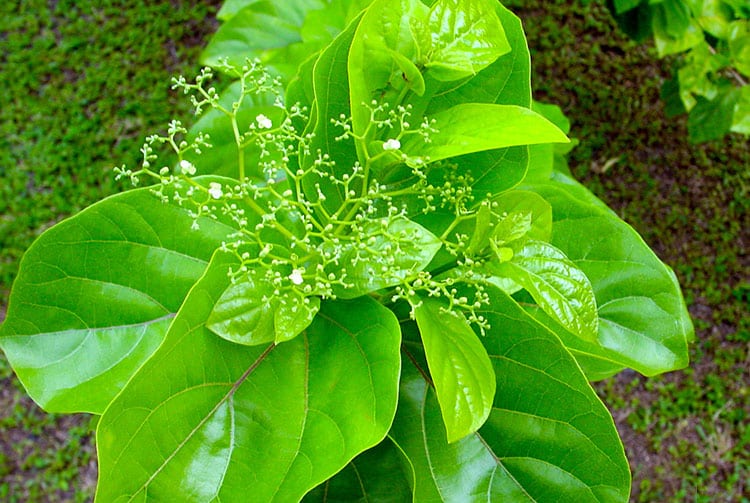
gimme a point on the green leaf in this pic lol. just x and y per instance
(741, 117)
(266, 30)
(548, 437)
(643, 320)
(253, 311)
(383, 42)
(674, 28)
(474, 127)
(206, 419)
(391, 250)
(373, 476)
(557, 285)
(331, 91)
(504, 82)
(96, 293)
(712, 119)
(523, 202)
(465, 37)
(459, 367)
(739, 45)
(714, 17)
(231, 7)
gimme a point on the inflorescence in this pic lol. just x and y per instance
(305, 226)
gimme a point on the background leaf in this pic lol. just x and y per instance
(96, 293)
(547, 439)
(205, 418)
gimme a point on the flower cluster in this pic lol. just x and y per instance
(309, 227)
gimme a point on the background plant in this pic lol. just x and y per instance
(712, 41)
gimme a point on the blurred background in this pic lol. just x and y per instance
(83, 82)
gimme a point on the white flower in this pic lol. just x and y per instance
(187, 167)
(263, 122)
(296, 277)
(392, 144)
(214, 190)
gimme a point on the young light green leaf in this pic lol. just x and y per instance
(643, 320)
(459, 367)
(548, 436)
(391, 250)
(557, 285)
(388, 28)
(96, 293)
(294, 315)
(537, 216)
(475, 127)
(206, 419)
(243, 313)
(465, 37)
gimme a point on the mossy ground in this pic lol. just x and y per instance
(84, 83)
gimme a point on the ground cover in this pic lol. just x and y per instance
(84, 84)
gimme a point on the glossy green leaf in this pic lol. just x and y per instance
(643, 320)
(474, 127)
(465, 37)
(459, 367)
(390, 251)
(548, 437)
(206, 419)
(557, 285)
(331, 91)
(504, 82)
(375, 475)
(96, 293)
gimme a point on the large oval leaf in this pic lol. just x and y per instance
(643, 320)
(547, 439)
(207, 420)
(96, 293)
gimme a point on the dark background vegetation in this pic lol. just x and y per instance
(83, 82)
